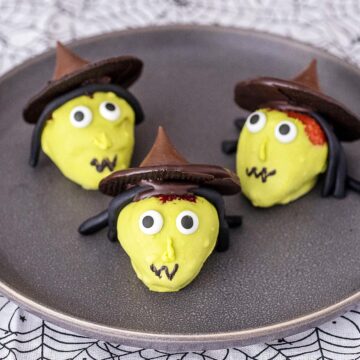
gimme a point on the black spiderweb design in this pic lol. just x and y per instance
(24, 336)
(28, 28)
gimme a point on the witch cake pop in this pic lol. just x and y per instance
(291, 137)
(168, 215)
(84, 118)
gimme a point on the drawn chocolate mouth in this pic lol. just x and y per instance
(165, 269)
(263, 173)
(105, 163)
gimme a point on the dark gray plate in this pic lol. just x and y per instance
(289, 267)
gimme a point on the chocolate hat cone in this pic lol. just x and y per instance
(309, 77)
(163, 152)
(72, 72)
(303, 94)
(67, 62)
(168, 172)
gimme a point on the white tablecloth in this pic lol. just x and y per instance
(29, 27)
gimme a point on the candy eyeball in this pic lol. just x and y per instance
(256, 121)
(81, 116)
(187, 222)
(285, 131)
(151, 222)
(110, 111)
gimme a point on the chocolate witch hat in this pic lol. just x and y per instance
(71, 72)
(166, 170)
(303, 94)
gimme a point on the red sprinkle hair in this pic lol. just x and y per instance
(171, 197)
(312, 128)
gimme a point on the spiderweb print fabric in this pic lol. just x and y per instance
(28, 28)
(24, 336)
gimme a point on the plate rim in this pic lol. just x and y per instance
(178, 341)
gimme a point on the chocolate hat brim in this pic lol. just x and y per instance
(262, 92)
(215, 177)
(122, 70)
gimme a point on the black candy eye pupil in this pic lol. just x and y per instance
(254, 119)
(284, 129)
(79, 116)
(148, 222)
(187, 222)
(110, 106)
